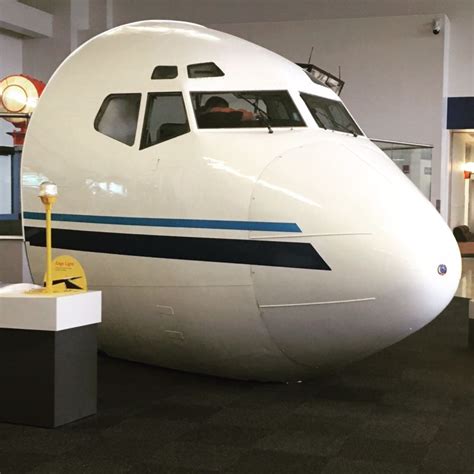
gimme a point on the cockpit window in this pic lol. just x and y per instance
(165, 118)
(245, 109)
(204, 70)
(330, 114)
(165, 72)
(118, 116)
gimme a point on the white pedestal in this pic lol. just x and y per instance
(50, 313)
(48, 357)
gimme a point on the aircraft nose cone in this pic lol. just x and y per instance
(393, 263)
(422, 272)
(424, 261)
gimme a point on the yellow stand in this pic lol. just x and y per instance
(69, 274)
(48, 202)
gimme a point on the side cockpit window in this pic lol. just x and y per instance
(118, 117)
(165, 118)
(330, 114)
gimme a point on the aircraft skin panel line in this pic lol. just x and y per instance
(305, 235)
(291, 305)
(167, 222)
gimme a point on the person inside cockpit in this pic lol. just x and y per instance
(216, 113)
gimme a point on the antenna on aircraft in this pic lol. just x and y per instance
(310, 55)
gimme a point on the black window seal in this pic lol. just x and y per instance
(147, 111)
(103, 107)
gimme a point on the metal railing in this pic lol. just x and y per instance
(414, 159)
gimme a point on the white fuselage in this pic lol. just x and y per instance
(234, 252)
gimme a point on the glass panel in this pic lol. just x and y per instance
(118, 117)
(6, 204)
(245, 109)
(413, 159)
(165, 118)
(330, 114)
(165, 72)
(462, 185)
(10, 219)
(204, 70)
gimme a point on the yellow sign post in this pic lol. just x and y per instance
(48, 194)
(65, 274)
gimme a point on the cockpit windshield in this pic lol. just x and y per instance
(245, 109)
(330, 114)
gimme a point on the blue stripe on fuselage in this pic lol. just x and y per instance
(166, 222)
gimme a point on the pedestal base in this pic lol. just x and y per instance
(48, 378)
(471, 325)
(48, 356)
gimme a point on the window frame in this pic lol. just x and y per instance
(303, 121)
(103, 108)
(148, 111)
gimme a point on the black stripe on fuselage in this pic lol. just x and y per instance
(250, 252)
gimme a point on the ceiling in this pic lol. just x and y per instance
(243, 11)
(236, 11)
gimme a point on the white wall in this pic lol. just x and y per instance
(42, 56)
(461, 50)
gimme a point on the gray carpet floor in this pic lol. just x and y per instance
(407, 409)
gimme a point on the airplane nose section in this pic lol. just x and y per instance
(392, 263)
